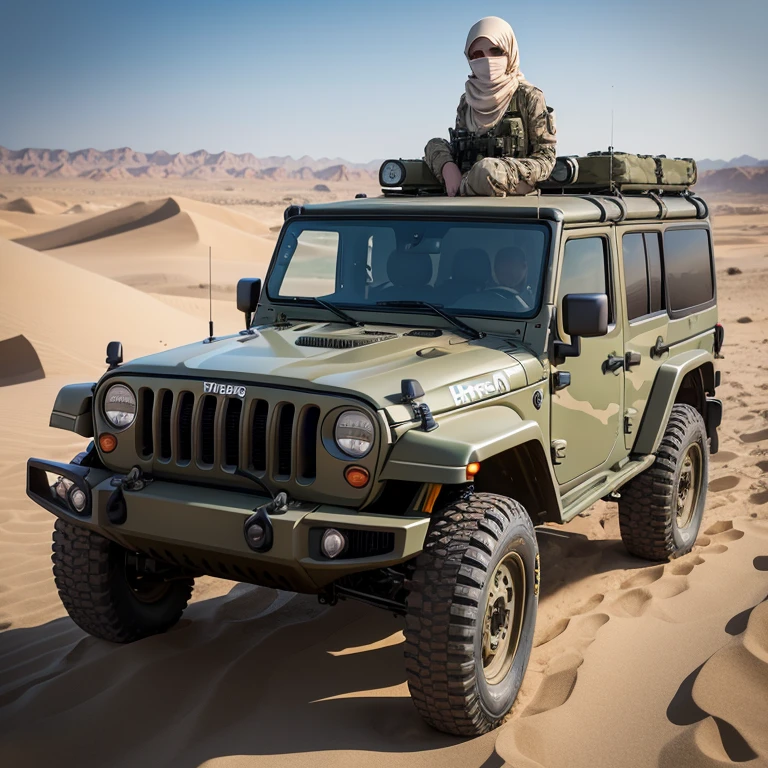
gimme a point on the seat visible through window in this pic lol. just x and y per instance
(409, 274)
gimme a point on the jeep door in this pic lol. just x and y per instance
(645, 319)
(586, 414)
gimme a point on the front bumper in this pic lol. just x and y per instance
(201, 528)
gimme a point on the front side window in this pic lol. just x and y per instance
(585, 268)
(688, 268)
(472, 268)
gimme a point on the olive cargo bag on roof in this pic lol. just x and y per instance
(624, 171)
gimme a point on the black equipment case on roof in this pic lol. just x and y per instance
(608, 171)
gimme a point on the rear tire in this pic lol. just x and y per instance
(472, 613)
(660, 510)
(106, 597)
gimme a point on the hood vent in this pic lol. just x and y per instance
(344, 342)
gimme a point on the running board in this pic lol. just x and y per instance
(586, 494)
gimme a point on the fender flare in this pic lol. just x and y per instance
(668, 379)
(480, 434)
(73, 409)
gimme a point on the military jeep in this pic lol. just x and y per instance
(419, 383)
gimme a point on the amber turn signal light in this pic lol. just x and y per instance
(472, 470)
(107, 442)
(357, 477)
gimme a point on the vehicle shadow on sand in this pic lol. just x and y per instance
(253, 672)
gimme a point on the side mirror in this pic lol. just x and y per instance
(114, 354)
(584, 315)
(248, 292)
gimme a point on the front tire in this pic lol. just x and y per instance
(660, 510)
(104, 595)
(472, 613)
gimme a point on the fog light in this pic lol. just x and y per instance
(256, 535)
(61, 486)
(77, 499)
(357, 477)
(107, 442)
(333, 543)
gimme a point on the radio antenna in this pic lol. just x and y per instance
(210, 298)
(610, 146)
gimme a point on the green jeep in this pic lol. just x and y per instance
(421, 381)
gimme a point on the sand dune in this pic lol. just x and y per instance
(33, 205)
(161, 246)
(20, 362)
(86, 208)
(105, 225)
(34, 223)
(634, 665)
(69, 315)
(9, 230)
(136, 216)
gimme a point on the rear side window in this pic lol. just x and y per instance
(653, 259)
(642, 273)
(688, 268)
(635, 274)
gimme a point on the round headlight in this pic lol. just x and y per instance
(120, 406)
(354, 433)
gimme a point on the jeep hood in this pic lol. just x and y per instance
(368, 363)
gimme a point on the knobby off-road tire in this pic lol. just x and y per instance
(660, 510)
(483, 546)
(104, 596)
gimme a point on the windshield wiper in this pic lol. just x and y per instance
(333, 308)
(473, 333)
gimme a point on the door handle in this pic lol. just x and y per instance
(660, 348)
(613, 363)
(632, 358)
(561, 380)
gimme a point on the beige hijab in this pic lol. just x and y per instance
(485, 104)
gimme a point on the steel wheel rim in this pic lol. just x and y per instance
(145, 589)
(503, 617)
(688, 486)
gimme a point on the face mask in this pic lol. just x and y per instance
(489, 69)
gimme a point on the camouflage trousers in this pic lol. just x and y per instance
(495, 177)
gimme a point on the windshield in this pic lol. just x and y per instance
(472, 268)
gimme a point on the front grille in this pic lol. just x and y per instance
(285, 440)
(166, 400)
(207, 430)
(186, 409)
(232, 432)
(259, 435)
(217, 435)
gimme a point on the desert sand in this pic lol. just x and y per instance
(634, 664)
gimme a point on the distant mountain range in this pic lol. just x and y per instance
(751, 180)
(744, 174)
(126, 163)
(744, 161)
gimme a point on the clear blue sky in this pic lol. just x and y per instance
(365, 80)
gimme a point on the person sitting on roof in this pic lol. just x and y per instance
(501, 119)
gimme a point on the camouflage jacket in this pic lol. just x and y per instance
(540, 129)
